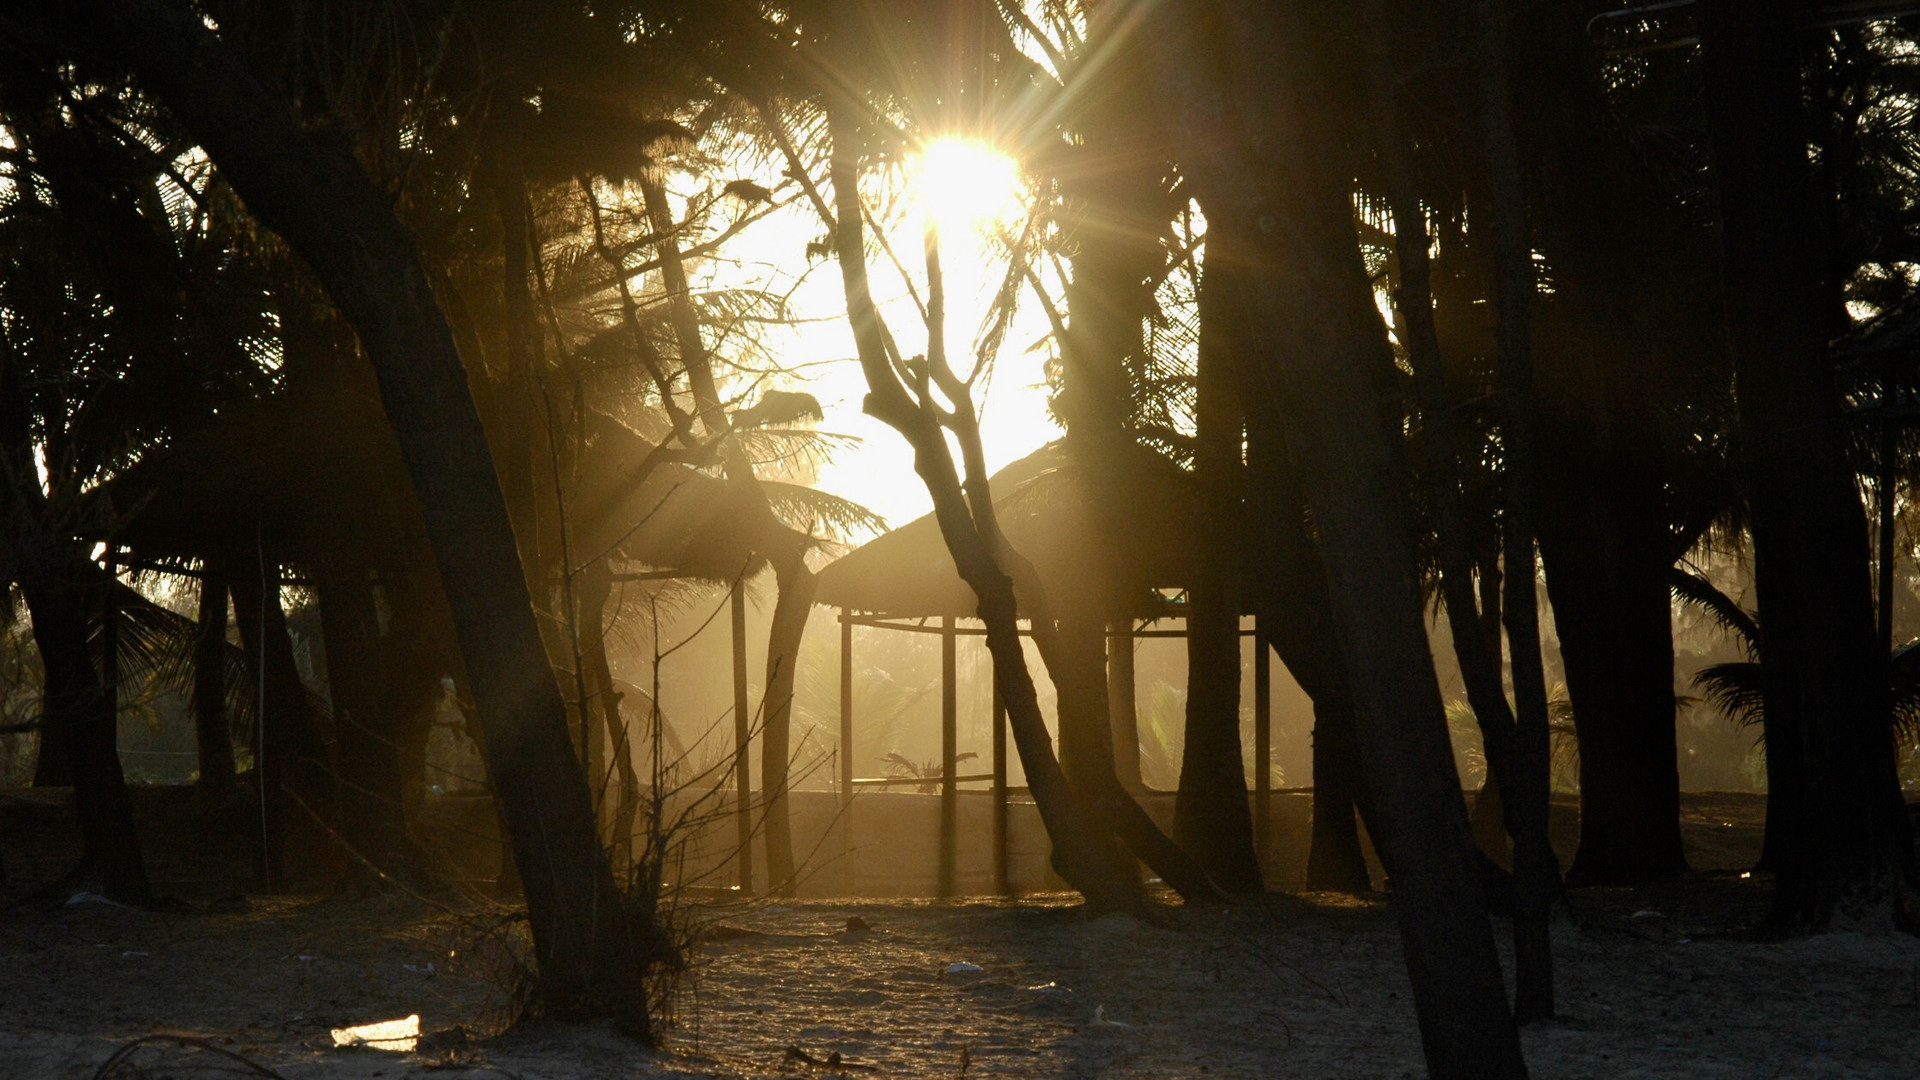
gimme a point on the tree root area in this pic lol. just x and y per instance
(1653, 982)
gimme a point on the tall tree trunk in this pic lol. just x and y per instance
(1607, 546)
(1288, 582)
(1275, 178)
(790, 611)
(79, 727)
(1607, 350)
(213, 734)
(373, 820)
(1211, 818)
(311, 191)
(517, 394)
(1526, 787)
(1851, 842)
(290, 761)
(80, 720)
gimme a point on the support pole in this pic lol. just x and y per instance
(846, 751)
(846, 708)
(1262, 739)
(949, 749)
(1002, 884)
(742, 735)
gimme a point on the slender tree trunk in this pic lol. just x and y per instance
(1275, 178)
(213, 735)
(596, 589)
(312, 192)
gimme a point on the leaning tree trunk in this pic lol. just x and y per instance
(1275, 177)
(1852, 845)
(1086, 857)
(308, 188)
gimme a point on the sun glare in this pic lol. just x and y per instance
(966, 184)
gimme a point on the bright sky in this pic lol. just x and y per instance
(972, 190)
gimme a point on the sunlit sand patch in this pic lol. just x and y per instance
(400, 1035)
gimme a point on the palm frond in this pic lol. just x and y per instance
(810, 510)
(1734, 688)
(1701, 593)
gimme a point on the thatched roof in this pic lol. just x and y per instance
(1045, 510)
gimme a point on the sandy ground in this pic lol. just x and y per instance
(1653, 982)
(1313, 987)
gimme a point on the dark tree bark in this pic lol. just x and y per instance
(290, 760)
(1288, 582)
(1211, 818)
(1851, 845)
(1609, 347)
(213, 735)
(1606, 546)
(1525, 788)
(79, 727)
(516, 393)
(309, 189)
(367, 721)
(1272, 174)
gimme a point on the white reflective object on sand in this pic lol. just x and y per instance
(399, 1035)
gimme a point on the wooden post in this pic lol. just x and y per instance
(949, 749)
(1002, 883)
(1121, 704)
(846, 707)
(846, 751)
(1262, 738)
(742, 735)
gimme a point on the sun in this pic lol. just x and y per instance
(962, 184)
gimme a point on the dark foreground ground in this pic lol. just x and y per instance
(1652, 983)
